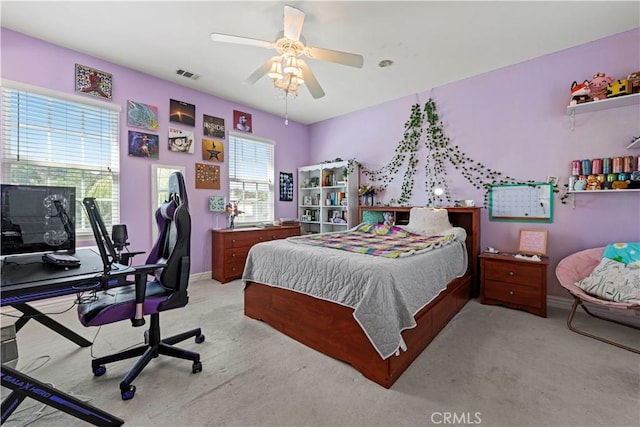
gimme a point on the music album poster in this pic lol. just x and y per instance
(181, 140)
(141, 115)
(182, 112)
(143, 145)
(212, 150)
(213, 126)
(242, 121)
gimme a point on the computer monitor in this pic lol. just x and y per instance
(37, 219)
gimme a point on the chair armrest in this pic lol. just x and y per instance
(141, 272)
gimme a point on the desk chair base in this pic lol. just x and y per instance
(578, 302)
(154, 347)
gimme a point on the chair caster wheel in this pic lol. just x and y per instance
(197, 367)
(199, 339)
(127, 393)
(146, 336)
(99, 370)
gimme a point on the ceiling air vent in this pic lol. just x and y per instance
(187, 74)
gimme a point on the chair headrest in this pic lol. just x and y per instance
(178, 189)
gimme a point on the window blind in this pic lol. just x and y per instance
(50, 140)
(251, 177)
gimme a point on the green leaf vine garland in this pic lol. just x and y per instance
(439, 153)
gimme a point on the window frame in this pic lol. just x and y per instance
(243, 206)
(84, 234)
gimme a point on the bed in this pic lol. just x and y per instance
(344, 331)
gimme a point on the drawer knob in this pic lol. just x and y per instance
(233, 240)
(261, 238)
(233, 255)
(511, 293)
(511, 273)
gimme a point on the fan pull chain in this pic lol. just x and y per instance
(286, 109)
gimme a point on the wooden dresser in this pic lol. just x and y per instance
(229, 248)
(514, 283)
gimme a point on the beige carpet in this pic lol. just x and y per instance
(491, 366)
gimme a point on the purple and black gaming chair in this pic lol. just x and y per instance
(168, 262)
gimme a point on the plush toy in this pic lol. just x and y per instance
(618, 88)
(634, 82)
(388, 218)
(598, 86)
(593, 183)
(579, 93)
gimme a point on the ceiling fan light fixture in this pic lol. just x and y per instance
(276, 69)
(291, 65)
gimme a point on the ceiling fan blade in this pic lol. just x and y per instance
(293, 20)
(226, 38)
(344, 58)
(257, 74)
(310, 80)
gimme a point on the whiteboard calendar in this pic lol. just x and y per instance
(521, 202)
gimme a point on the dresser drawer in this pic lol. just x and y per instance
(513, 293)
(282, 233)
(523, 274)
(243, 238)
(236, 255)
(233, 270)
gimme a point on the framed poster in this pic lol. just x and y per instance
(93, 82)
(182, 112)
(212, 151)
(532, 242)
(242, 121)
(181, 140)
(141, 115)
(143, 145)
(207, 176)
(286, 186)
(213, 126)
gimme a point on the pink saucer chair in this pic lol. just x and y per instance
(576, 267)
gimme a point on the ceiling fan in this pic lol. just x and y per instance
(287, 70)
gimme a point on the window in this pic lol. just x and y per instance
(160, 191)
(251, 178)
(51, 138)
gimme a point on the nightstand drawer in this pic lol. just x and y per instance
(513, 293)
(523, 274)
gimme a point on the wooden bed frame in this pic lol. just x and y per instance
(331, 328)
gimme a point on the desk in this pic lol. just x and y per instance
(27, 278)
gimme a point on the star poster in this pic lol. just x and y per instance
(212, 151)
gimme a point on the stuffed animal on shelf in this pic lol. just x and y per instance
(634, 82)
(598, 86)
(618, 88)
(593, 183)
(579, 93)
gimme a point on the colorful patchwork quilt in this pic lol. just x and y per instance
(377, 239)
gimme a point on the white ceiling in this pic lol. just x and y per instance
(431, 43)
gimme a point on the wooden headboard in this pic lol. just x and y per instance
(467, 218)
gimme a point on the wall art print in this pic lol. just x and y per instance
(141, 115)
(242, 121)
(213, 126)
(143, 145)
(182, 112)
(207, 176)
(93, 82)
(180, 140)
(212, 150)
(286, 186)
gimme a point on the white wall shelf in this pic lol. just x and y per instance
(573, 193)
(604, 104)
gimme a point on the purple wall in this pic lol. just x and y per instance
(514, 120)
(39, 63)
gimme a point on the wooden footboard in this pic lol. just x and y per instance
(331, 328)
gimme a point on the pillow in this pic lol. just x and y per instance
(372, 217)
(428, 221)
(626, 253)
(613, 281)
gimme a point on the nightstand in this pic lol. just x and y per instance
(514, 282)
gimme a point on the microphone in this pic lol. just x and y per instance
(119, 236)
